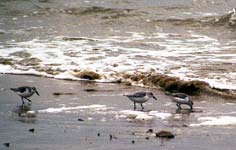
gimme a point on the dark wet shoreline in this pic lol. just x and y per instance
(67, 130)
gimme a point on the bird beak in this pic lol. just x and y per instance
(37, 92)
(154, 98)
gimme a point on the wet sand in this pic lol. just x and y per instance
(92, 119)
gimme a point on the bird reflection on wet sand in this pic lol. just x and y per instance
(184, 111)
(25, 114)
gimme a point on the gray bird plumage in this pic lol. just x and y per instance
(181, 98)
(140, 97)
(25, 92)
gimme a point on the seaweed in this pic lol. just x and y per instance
(6, 61)
(30, 61)
(89, 75)
(21, 54)
(174, 84)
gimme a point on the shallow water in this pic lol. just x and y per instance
(193, 40)
(85, 120)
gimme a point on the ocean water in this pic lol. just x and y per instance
(189, 39)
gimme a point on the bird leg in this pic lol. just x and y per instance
(22, 99)
(142, 106)
(134, 105)
(178, 105)
(191, 107)
(28, 99)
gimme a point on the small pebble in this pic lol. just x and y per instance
(31, 130)
(56, 93)
(150, 131)
(90, 90)
(110, 137)
(6, 144)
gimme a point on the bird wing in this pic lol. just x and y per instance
(22, 89)
(137, 94)
(179, 95)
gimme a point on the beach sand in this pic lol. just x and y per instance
(87, 115)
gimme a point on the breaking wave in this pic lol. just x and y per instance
(228, 20)
(111, 59)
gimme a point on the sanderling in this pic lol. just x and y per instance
(181, 98)
(25, 92)
(140, 97)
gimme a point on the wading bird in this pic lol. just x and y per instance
(181, 99)
(25, 92)
(140, 97)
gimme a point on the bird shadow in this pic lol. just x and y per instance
(145, 110)
(188, 111)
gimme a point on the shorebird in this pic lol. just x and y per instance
(25, 92)
(140, 97)
(181, 98)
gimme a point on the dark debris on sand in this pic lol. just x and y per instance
(32, 130)
(80, 119)
(165, 134)
(149, 131)
(61, 93)
(90, 90)
(111, 137)
(6, 144)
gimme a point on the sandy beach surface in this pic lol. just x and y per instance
(86, 115)
(173, 45)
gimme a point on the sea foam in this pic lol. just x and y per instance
(178, 55)
(67, 109)
(216, 121)
(143, 116)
